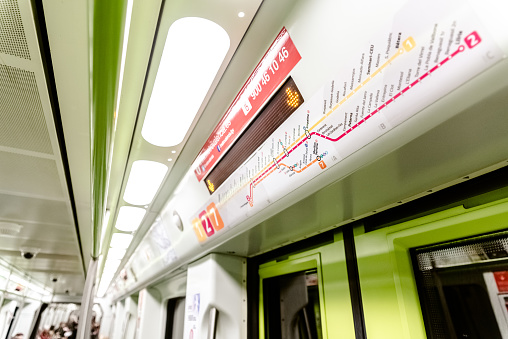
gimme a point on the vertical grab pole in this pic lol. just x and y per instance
(212, 325)
(85, 313)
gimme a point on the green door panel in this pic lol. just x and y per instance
(390, 298)
(334, 298)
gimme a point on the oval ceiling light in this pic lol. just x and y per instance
(144, 181)
(193, 53)
(120, 240)
(111, 265)
(129, 218)
(116, 253)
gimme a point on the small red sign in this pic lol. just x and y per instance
(472, 39)
(501, 280)
(274, 67)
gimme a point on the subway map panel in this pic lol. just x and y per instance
(413, 63)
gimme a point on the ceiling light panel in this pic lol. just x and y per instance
(103, 287)
(106, 278)
(116, 253)
(193, 53)
(144, 181)
(112, 265)
(129, 218)
(121, 240)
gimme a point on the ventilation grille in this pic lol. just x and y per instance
(29, 175)
(464, 254)
(22, 122)
(8, 228)
(12, 33)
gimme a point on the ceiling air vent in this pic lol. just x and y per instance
(9, 228)
(12, 34)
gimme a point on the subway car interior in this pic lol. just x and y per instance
(241, 169)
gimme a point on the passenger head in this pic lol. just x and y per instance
(19, 336)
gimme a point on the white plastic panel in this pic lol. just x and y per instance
(119, 321)
(152, 306)
(151, 315)
(216, 282)
(31, 167)
(26, 318)
(174, 287)
(6, 314)
(130, 318)
(106, 316)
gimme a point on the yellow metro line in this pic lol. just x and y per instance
(408, 45)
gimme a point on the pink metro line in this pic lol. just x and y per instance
(253, 169)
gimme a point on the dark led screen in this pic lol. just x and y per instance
(283, 103)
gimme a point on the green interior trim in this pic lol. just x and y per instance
(108, 25)
(390, 297)
(329, 261)
(298, 264)
(274, 269)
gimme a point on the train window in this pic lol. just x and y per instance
(175, 317)
(292, 306)
(463, 287)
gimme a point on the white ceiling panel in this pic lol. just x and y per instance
(56, 247)
(29, 175)
(67, 283)
(22, 119)
(40, 231)
(67, 27)
(33, 184)
(21, 208)
(12, 33)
